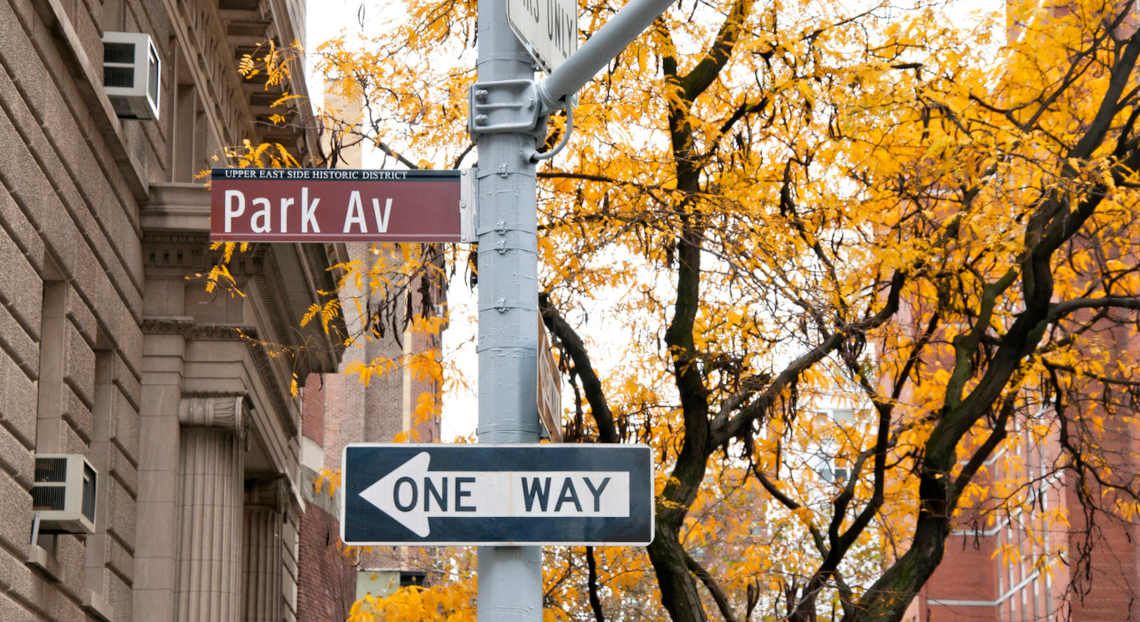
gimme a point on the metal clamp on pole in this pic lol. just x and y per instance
(536, 156)
(504, 106)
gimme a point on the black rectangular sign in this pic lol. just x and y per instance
(505, 495)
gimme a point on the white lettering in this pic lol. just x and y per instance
(308, 212)
(232, 213)
(259, 222)
(381, 223)
(285, 204)
(355, 213)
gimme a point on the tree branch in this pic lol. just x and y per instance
(1061, 309)
(788, 502)
(592, 585)
(572, 345)
(725, 427)
(714, 588)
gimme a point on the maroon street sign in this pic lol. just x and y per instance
(330, 205)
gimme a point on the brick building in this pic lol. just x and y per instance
(989, 571)
(339, 410)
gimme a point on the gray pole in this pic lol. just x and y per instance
(510, 578)
(508, 116)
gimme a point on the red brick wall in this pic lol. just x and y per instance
(312, 409)
(327, 582)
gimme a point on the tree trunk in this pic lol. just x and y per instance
(679, 591)
(889, 597)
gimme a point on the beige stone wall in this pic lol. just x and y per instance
(70, 307)
(107, 350)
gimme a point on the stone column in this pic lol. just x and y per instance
(210, 505)
(262, 578)
(156, 536)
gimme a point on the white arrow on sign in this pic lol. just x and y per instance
(411, 494)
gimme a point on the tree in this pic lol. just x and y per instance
(791, 205)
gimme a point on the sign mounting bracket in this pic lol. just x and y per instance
(505, 106)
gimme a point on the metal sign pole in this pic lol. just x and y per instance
(509, 578)
(508, 112)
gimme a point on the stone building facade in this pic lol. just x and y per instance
(110, 353)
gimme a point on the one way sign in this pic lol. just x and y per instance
(497, 494)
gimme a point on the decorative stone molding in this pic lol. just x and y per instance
(223, 332)
(262, 362)
(189, 250)
(171, 325)
(223, 411)
(188, 328)
(176, 207)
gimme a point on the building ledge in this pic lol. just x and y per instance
(97, 607)
(42, 560)
(90, 82)
(177, 207)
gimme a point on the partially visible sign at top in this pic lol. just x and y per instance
(548, 27)
(328, 205)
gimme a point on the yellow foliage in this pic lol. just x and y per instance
(830, 151)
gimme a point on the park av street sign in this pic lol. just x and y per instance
(339, 205)
(401, 494)
(548, 29)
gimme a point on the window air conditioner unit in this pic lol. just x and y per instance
(131, 74)
(64, 493)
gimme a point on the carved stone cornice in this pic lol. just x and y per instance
(168, 325)
(189, 251)
(262, 362)
(176, 207)
(222, 332)
(188, 328)
(228, 412)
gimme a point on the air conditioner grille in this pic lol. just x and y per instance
(51, 469)
(118, 53)
(49, 498)
(118, 76)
